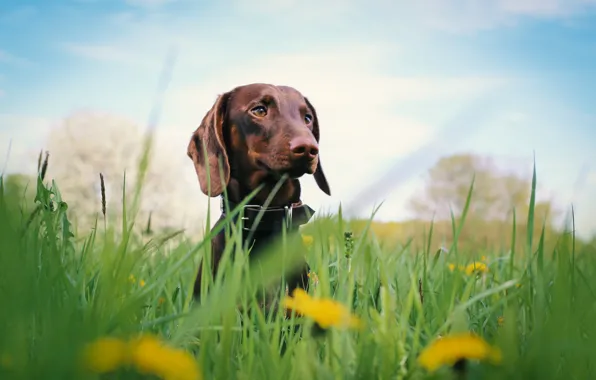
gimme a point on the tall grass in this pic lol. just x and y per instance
(59, 292)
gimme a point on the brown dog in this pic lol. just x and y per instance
(254, 135)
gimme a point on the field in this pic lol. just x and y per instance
(102, 301)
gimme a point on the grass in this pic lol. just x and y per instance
(58, 292)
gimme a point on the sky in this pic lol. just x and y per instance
(396, 84)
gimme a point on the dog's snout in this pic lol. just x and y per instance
(304, 147)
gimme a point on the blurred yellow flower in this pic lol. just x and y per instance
(147, 354)
(451, 349)
(476, 267)
(132, 279)
(106, 355)
(483, 258)
(325, 312)
(313, 277)
(452, 267)
(500, 321)
(151, 356)
(307, 240)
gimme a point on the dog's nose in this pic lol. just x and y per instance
(304, 147)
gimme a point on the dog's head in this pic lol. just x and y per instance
(255, 133)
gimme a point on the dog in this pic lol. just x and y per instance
(255, 135)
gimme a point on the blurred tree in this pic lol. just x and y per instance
(496, 192)
(86, 144)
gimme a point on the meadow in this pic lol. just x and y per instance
(111, 303)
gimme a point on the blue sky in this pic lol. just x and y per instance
(385, 79)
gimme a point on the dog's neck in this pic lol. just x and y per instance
(287, 193)
(268, 218)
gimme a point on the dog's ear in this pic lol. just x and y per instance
(207, 143)
(318, 174)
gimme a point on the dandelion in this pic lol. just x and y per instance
(151, 356)
(476, 267)
(455, 350)
(452, 267)
(483, 258)
(307, 240)
(500, 321)
(147, 354)
(106, 355)
(133, 280)
(325, 312)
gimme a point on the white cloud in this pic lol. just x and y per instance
(460, 16)
(149, 3)
(305, 10)
(454, 16)
(108, 53)
(6, 57)
(99, 52)
(553, 8)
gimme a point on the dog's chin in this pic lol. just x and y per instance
(292, 172)
(296, 173)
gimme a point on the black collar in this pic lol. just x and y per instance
(271, 219)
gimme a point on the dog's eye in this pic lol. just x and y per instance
(307, 118)
(259, 111)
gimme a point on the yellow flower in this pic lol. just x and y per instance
(314, 278)
(151, 356)
(160, 301)
(476, 267)
(146, 353)
(451, 349)
(106, 355)
(483, 258)
(132, 279)
(452, 267)
(307, 240)
(325, 312)
(500, 321)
